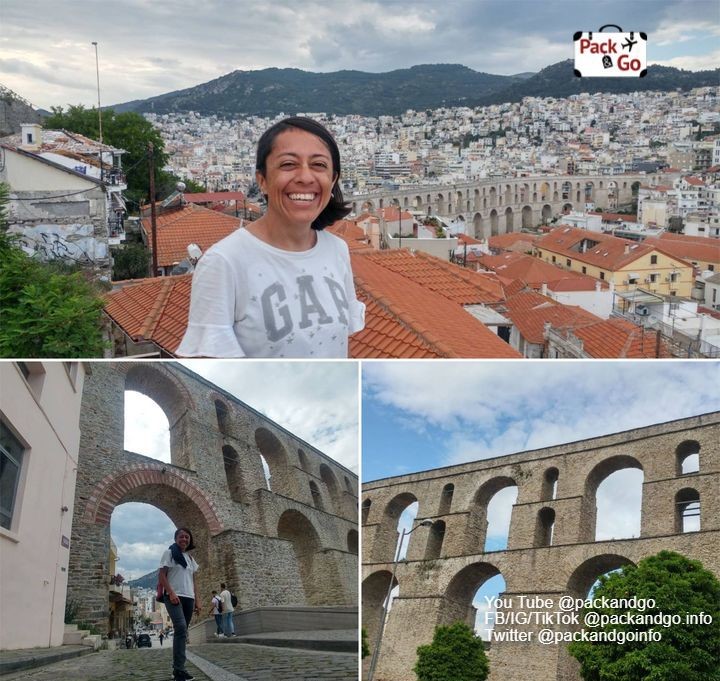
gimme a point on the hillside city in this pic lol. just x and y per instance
(550, 228)
(587, 134)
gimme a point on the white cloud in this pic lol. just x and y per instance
(702, 62)
(493, 408)
(154, 48)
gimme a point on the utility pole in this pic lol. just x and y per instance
(153, 216)
(97, 72)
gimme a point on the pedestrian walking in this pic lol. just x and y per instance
(162, 638)
(227, 611)
(216, 612)
(177, 578)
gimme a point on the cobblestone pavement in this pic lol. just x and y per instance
(239, 662)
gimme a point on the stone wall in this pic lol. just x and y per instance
(271, 547)
(439, 588)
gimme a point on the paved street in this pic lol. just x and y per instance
(206, 662)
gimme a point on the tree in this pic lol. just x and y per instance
(45, 311)
(365, 645)
(687, 651)
(128, 131)
(132, 261)
(455, 654)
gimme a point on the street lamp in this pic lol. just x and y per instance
(376, 652)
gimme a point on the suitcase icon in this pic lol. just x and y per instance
(610, 55)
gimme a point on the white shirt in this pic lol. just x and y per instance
(250, 299)
(226, 601)
(180, 578)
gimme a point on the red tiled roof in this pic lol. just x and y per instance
(453, 282)
(697, 248)
(351, 234)
(535, 272)
(607, 217)
(610, 253)
(694, 181)
(620, 338)
(403, 318)
(152, 309)
(205, 197)
(190, 224)
(511, 241)
(444, 326)
(530, 311)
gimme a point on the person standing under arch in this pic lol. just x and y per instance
(177, 577)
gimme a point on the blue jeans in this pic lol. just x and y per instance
(180, 614)
(218, 623)
(228, 624)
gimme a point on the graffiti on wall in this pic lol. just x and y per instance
(71, 243)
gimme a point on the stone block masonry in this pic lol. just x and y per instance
(551, 550)
(293, 545)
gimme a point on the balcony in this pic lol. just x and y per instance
(116, 231)
(115, 177)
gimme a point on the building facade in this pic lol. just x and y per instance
(39, 440)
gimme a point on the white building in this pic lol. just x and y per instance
(65, 196)
(39, 441)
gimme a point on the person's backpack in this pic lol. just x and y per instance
(218, 604)
(233, 600)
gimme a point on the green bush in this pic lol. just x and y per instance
(45, 311)
(131, 261)
(456, 654)
(365, 646)
(687, 652)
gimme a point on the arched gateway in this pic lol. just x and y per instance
(551, 550)
(262, 543)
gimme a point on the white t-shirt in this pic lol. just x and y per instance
(180, 578)
(227, 601)
(250, 299)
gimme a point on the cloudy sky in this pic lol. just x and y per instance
(317, 401)
(150, 48)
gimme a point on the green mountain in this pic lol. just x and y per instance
(269, 92)
(148, 581)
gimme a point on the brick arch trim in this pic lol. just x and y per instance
(109, 492)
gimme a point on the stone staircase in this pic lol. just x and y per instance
(74, 636)
(329, 629)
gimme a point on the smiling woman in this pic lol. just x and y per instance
(281, 286)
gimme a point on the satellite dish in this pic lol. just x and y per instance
(194, 252)
(180, 186)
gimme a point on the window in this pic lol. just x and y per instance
(584, 270)
(11, 456)
(602, 276)
(674, 276)
(568, 262)
(34, 374)
(653, 278)
(711, 268)
(553, 258)
(29, 138)
(653, 260)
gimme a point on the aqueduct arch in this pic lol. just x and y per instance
(215, 485)
(550, 551)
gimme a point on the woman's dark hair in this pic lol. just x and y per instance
(191, 545)
(336, 208)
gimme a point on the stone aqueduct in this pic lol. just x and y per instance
(500, 206)
(294, 545)
(551, 548)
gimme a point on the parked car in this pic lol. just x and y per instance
(144, 641)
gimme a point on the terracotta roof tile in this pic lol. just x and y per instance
(535, 272)
(609, 253)
(441, 323)
(152, 309)
(697, 248)
(453, 282)
(190, 224)
(512, 240)
(620, 338)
